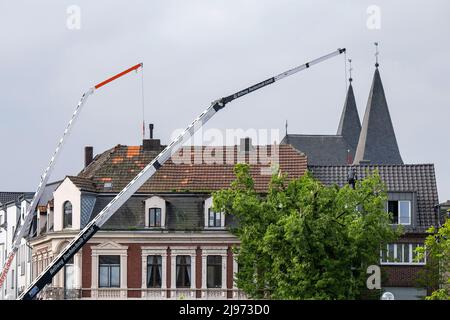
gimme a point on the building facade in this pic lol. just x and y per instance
(12, 211)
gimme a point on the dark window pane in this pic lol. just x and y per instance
(218, 219)
(67, 214)
(183, 271)
(155, 217)
(214, 272)
(109, 260)
(154, 271)
(393, 209)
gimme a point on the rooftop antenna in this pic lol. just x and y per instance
(286, 125)
(376, 55)
(143, 102)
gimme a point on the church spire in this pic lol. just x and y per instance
(350, 125)
(377, 143)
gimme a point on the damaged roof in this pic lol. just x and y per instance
(112, 170)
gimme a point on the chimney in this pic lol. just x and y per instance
(246, 145)
(151, 144)
(88, 155)
(151, 130)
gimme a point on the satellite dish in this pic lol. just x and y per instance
(388, 296)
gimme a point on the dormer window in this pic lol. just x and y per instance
(155, 212)
(213, 220)
(154, 217)
(401, 211)
(67, 214)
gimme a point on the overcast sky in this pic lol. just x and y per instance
(197, 51)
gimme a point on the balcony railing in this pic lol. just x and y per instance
(55, 293)
(163, 294)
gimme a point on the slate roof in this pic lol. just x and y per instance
(111, 171)
(47, 194)
(350, 125)
(336, 149)
(321, 149)
(183, 212)
(6, 197)
(417, 178)
(377, 141)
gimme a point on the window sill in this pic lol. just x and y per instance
(403, 263)
(214, 228)
(155, 228)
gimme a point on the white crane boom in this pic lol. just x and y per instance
(28, 217)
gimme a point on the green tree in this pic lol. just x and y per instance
(437, 249)
(304, 240)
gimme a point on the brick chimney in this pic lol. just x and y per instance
(88, 155)
(151, 144)
(246, 145)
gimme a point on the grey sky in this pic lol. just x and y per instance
(197, 51)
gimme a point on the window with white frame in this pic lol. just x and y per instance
(213, 220)
(154, 217)
(109, 272)
(154, 271)
(400, 210)
(401, 253)
(183, 271)
(214, 272)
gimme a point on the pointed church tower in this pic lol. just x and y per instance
(377, 143)
(350, 125)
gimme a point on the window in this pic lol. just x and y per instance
(154, 217)
(414, 255)
(214, 272)
(12, 279)
(400, 253)
(154, 271)
(214, 219)
(67, 215)
(109, 272)
(68, 277)
(401, 212)
(183, 272)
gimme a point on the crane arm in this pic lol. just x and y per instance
(28, 217)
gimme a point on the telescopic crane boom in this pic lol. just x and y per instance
(28, 218)
(91, 228)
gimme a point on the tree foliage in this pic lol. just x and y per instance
(437, 249)
(304, 240)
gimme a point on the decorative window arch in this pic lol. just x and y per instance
(67, 214)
